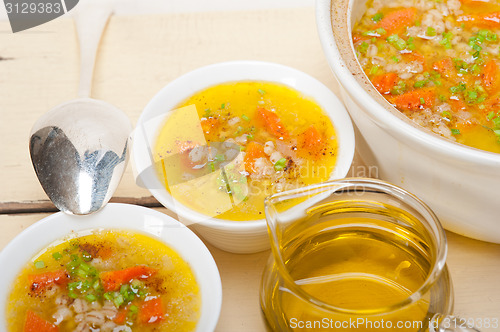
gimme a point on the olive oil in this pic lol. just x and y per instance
(353, 270)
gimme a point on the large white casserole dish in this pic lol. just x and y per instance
(461, 184)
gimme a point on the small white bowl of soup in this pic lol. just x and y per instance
(421, 82)
(124, 268)
(212, 144)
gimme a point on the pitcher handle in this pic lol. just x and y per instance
(449, 323)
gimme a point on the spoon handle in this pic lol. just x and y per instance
(90, 19)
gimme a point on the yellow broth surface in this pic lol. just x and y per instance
(438, 63)
(104, 281)
(228, 147)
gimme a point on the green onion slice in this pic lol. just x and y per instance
(39, 264)
(280, 164)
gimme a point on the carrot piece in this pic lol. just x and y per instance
(492, 102)
(97, 250)
(253, 151)
(112, 280)
(151, 311)
(40, 281)
(457, 104)
(183, 150)
(487, 20)
(356, 37)
(385, 82)
(396, 21)
(413, 56)
(272, 123)
(185, 146)
(490, 75)
(490, 20)
(445, 67)
(209, 124)
(312, 141)
(121, 315)
(35, 323)
(415, 99)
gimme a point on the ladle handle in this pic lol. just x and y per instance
(90, 19)
(448, 323)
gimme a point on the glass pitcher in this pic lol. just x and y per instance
(355, 255)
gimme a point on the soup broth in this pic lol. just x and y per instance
(228, 147)
(438, 63)
(105, 281)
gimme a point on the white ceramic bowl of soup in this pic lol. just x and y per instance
(123, 217)
(459, 183)
(233, 236)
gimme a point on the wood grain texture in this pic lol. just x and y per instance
(475, 272)
(43, 206)
(473, 266)
(40, 75)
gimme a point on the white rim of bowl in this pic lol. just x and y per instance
(380, 114)
(245, 71)
(203, 266)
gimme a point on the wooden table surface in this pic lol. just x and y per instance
(140, 54)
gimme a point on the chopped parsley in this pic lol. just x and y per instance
(420, 84)
(397, 42)
(374, 70)
(39, 264)
(458, 88)
(377, 17)
(280, 164)
(363, 47)
(446, 114)
(446, 41)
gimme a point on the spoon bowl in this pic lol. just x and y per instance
(79, 151)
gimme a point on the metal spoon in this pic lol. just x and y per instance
(79, 149)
